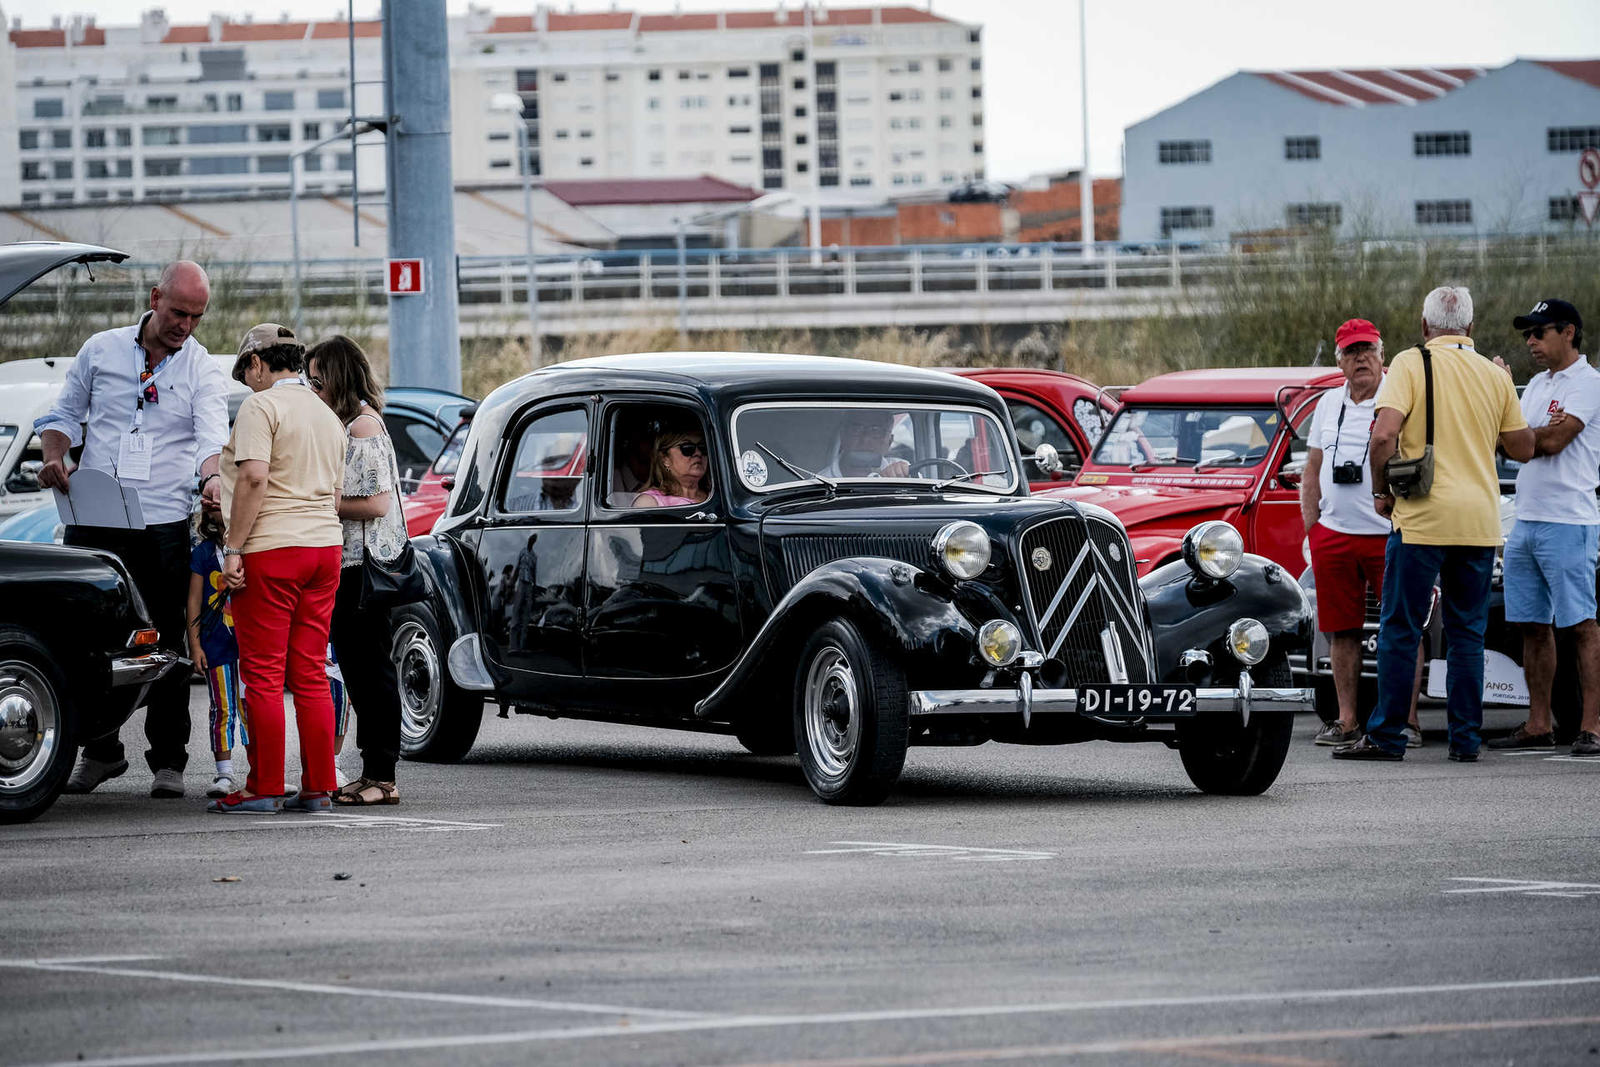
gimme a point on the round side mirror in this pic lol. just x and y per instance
(1046, 458)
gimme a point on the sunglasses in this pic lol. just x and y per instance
(688, 449)
(1538, 332)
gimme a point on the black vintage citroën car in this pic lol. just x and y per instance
(866, 573)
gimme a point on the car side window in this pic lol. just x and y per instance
(548, 469)
(415, 444)
(1035, 428)
(639, 438)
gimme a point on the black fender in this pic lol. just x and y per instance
(1191, 611)
(902, 609)
(452, 583)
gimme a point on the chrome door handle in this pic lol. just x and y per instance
(703, 516)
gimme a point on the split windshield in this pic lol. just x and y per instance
(1186, 437)
(778, 445)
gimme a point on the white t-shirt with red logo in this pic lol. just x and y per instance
(1560, 488)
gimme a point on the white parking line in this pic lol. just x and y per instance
(324, 989)
(954, 852)
(1529, 888)
(746, 1022)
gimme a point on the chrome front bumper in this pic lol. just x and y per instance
(142, 669)
(1028, 701)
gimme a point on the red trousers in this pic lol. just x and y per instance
(281, 618)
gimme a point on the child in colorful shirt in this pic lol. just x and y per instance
(215, 650)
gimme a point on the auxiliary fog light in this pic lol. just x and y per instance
(962, 548)
(1248, 641)
(999, 642)
(1213, 549)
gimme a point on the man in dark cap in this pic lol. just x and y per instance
(1550, 555)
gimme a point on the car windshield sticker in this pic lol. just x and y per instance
(752, 468)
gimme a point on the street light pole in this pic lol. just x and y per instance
(525, 164)
(1085, 182)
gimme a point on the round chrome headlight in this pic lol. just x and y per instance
(1248, 641)
(1213, 549)
(999, 642)
(962, 549)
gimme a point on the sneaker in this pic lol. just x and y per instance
(221, 786)
(168, 784)
(1586, 744)
(1367, 749)
(1461, 755)
(91, 772)
(1521, 739)
(311, 803)
(1413, 737)
(1334, 734)
(239, 804)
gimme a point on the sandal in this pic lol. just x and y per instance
(366, 792)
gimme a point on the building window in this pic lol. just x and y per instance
(32, 198)
(801, 166)
(1451, 143)
(1564, 209)
(977, 148)
(310, 131)
(944, 122)
(32, 172)
(652, 75)
(499, 164)
(273, 133)
(735, 131)
(124, 137)
(1185, 218)
(62, 197)
(860, 180)
(562, 135)
(28, 139)
(344, 161)
(61, 169)
(272, 164)
(219, 164)
(798, 55)
(310, 163)
(60, 138)
(977, 92)
(613, 76)
(769, 71)
(1572, 138)
(897, 123)
(772, 181)
(1314, 214)
(772, 158)
(330, 99)
(236, 134)
(1183, 152)
(161, 103)
(800, 112)
(799, 138)
(278, 100)
(586, 161)
(685, 75)
(160, 135)
(94, 138)
(235, 101)
(48, 108)
(501, 136)
(584, 135)
(124, 168)
(1302, 148)
(799, 84)
(162, 168)
(738, 72)
(558, 76)
(896, 96)
(1444, 212)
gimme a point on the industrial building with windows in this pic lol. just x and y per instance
(1414, 151)
(869, 99)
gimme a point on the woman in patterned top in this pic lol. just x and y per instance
(373, 524)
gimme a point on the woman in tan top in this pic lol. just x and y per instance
(280, 490)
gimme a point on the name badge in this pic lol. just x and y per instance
(133, 458)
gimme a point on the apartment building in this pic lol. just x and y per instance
(879, 98)
(1419, 150)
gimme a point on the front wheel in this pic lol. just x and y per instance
(850, 716)
(36, 747)
(438, 719)
(1228, 759)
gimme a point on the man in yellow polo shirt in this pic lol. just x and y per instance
(1448, 535)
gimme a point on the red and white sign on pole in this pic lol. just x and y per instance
(1589, 175)
(405, 277)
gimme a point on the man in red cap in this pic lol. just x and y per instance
(1346, 536)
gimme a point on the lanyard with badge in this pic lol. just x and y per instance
(133, 456)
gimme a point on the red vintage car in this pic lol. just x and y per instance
(427, 502)
(1052, 408)
(1207, 444)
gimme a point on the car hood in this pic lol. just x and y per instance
(25, 261)
(1136, 505)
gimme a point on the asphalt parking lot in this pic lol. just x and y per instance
(580, 893)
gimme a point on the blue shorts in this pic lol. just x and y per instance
(1549, 572)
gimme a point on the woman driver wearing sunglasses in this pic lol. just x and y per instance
(680, 471)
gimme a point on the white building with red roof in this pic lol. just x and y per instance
(1371, 151)
(790, 98)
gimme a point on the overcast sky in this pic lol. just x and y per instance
(1144, 54)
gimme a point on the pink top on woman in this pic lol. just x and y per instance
(666, 500)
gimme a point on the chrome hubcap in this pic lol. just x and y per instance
(832, 712)
(30, 726)
(416, 664)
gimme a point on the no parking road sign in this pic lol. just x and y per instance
(405, 277)
(1589, 175)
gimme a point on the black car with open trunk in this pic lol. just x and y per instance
(839, 601)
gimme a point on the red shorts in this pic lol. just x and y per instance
(1344, 565)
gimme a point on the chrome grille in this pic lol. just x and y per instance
(804, 554)
(1088, 588)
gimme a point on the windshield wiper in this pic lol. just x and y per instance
(963, 477)
(792, 468)
(1222, 461)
